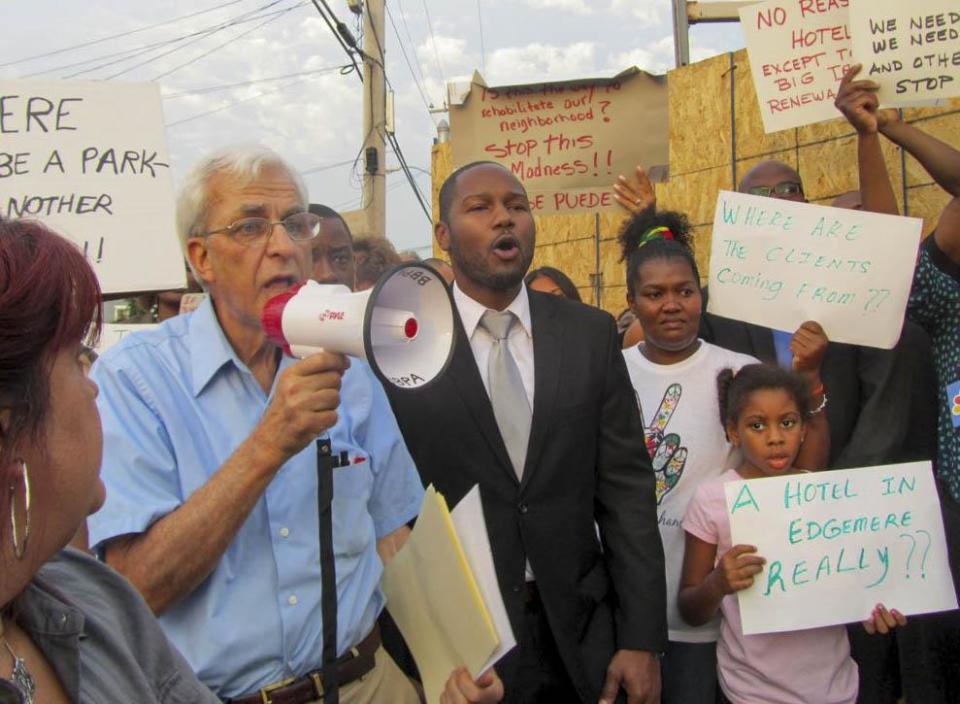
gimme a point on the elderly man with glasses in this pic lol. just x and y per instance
(211, 465)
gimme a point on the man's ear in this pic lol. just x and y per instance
(199, 259)
(442, 233)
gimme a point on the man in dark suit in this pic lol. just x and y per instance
(537, 408)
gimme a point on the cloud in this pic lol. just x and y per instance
(646, 13)
(540, 62)
(578, 6)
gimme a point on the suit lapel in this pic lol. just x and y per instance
(547, 358)
(466, 378)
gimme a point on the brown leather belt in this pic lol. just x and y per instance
(300, 690)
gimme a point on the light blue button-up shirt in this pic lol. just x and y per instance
(175, 403)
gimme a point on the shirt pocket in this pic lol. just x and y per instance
(352, 524)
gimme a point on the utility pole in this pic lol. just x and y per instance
(374, 118)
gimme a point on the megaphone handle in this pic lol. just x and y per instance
(328, 573)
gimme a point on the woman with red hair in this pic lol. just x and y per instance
(71, 629)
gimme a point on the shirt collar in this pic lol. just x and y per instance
(471, 311)
(209, 347)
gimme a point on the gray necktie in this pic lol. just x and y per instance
(510, 405)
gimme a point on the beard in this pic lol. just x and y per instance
(478, 269)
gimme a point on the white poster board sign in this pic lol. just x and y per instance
(838, 543)
(799, 51)
(912, 49)
(778, 263)
(89, 159)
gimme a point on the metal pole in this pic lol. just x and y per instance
(374, 119)
(681, 33)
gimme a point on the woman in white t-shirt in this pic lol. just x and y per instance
(674, 375)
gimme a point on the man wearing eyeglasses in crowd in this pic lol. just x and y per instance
(211, 467)
(878, 407)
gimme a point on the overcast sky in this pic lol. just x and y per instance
(314, 115)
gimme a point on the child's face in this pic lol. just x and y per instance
(768, 432)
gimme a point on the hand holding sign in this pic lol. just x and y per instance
(858, 102)
(808, 345)
(882, 621)
(737, 568)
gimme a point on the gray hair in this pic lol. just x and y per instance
(245, 161)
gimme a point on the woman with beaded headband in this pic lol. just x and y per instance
(673, 374)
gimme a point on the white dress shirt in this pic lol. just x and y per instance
(519, 341)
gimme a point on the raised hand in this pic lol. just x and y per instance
(809, 345)
(859, 103)
(635, 196)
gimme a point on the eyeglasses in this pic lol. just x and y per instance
(784, 188)
(250, 231)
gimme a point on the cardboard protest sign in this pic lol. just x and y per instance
(799, 51)
(912, 49)
(838, 543)
(566, 142)
(779, 263)
(90, 160)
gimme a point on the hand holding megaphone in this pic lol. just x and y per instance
(403, 326)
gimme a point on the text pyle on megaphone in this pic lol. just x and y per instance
(403, 326)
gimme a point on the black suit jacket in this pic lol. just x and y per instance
(881, 403)
(586, 462)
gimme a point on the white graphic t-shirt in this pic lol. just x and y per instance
(687, 445)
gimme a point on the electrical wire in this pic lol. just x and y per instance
(244, 84)
(278, 15)
(183, 41)
(240, 102)
(326, 167)
(410, 178)
(433, 40)
(483, 51)
(416, 82)
(334, 25)
(83, 45)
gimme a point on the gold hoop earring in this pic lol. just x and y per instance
(20, 544)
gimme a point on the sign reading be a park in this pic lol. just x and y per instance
(90, 160)
(778, 263)
(837, 543)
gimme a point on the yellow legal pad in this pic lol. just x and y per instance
(433, 596)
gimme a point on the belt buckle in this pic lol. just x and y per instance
(317, 684)
(265, 691)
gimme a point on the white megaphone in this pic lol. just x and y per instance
(403, 326)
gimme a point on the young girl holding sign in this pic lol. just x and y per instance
(765, 412)
(674, 375)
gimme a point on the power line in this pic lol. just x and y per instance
(188, 39)
(239, 102)
(413, 73)
(410, 179)
(118, 36)
(277, 16)
(342, 34)
(406, 29)
(483, 51)
(326, 167)
(433, 40)
(244, 84)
